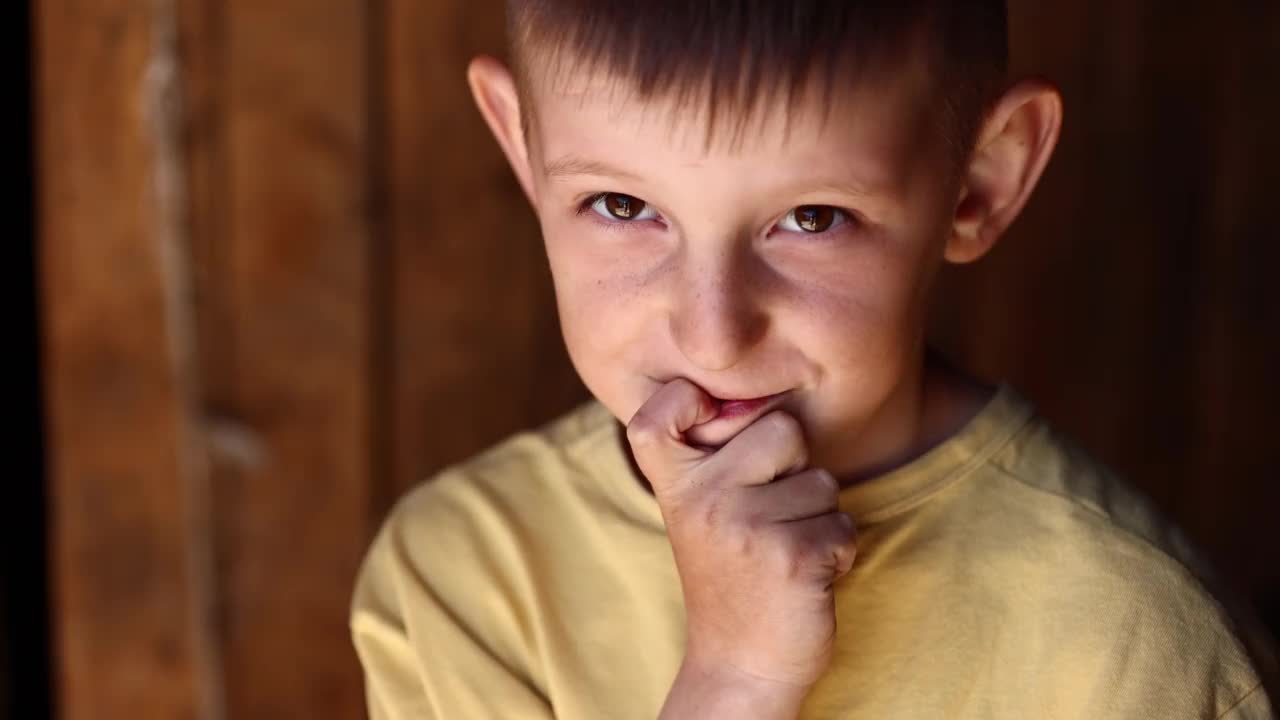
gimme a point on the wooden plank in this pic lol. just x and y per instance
(1130, 299)
(478, 352)
(126, 471)
(1051, 308)
(280, 152)
(1237, 323)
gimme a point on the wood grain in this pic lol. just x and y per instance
(288, 329)
(126, 470)
(1130, 300)
(477, 351)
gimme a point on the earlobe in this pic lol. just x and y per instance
(1013, 148)
(494, 91)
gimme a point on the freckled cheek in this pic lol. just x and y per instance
(600, 305)
(604, 326)
(595, 313)
(849, 319)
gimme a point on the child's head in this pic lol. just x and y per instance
(757, 195)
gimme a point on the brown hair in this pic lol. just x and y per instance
(737, 53)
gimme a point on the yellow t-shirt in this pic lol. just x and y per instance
(1002, 574)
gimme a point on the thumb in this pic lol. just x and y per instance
(657, 430)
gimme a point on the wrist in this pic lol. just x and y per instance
(705, 689)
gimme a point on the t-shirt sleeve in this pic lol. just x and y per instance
(419, 657)
(1253, 706)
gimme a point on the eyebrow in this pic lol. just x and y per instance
(846, 187)
(570, 166)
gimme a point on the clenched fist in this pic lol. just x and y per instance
(757, 538)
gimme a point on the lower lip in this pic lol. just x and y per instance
(738, 408)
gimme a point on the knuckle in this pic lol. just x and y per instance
(814, 552)
(642, 431)
(844, 555)
(741, 540)
(847, 557)
(786, 433)
(843, 521)
(844, 544)
(785, 426)
(779, 558)
(754, 522)
(824, 484)
(839, 529)
(791, 555)
(711, 512)
(848, 528)
(682, 386)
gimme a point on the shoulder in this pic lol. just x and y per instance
(500, 495)
(440, 615)
(1112, 529)
(473, 527)
(1125, 582)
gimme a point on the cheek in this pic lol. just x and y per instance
(858, 306)
(603, 322)
(597, 297)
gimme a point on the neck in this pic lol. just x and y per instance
(932, 402)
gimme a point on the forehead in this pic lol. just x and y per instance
(877, 124)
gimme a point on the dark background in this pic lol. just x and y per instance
(24, 653)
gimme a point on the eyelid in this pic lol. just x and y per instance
(589, 203)
(589, 206)
(844, 217)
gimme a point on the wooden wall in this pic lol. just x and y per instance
(276, 292)
(1134, 300)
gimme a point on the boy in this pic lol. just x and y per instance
(744, 205)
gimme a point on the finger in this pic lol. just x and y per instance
(795, 497)
(720, 430)
(656, 430)
(770, 447)
(827, 544)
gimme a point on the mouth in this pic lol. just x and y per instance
(739, 408)
(733, 415)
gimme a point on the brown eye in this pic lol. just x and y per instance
(623, 207)
(815, 218)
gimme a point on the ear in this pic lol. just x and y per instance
(1012, 150)
(494, 90)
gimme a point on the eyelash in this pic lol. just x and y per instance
(584, 209)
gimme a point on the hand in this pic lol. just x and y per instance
(757, 539)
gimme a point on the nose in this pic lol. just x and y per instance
(717, 315)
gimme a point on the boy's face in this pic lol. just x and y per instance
(794, 263)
